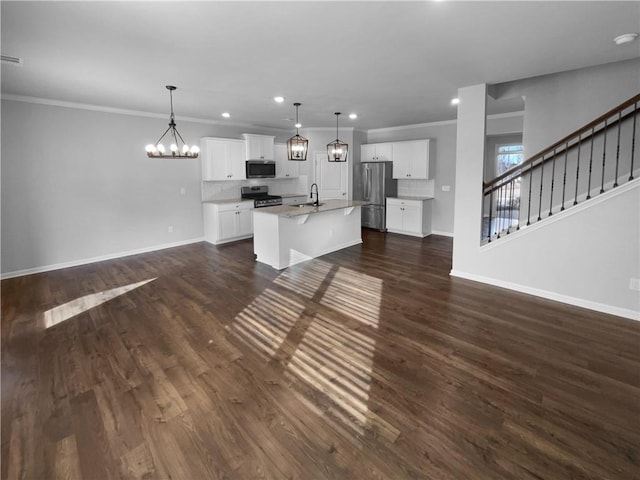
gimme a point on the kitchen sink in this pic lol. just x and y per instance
(309, 204)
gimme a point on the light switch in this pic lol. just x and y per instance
(183, 191)
(446, 188)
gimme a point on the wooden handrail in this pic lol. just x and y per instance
(563, 142)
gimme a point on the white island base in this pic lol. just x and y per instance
(286, 235)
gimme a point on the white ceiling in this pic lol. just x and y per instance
(394, 63)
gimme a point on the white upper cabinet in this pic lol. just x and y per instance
(284, 168)
(259, 147)
(411, 160)
(376, 152)
(222, 159)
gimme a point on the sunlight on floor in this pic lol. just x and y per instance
(265, 323)
(334, 356)
(75, 307)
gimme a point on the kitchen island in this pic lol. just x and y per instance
(288, 234)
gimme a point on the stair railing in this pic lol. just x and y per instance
(527, 193)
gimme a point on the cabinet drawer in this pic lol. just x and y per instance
(226, 207)
(402, 202)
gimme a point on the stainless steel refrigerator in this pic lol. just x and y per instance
(378, 184)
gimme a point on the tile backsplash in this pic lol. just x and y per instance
(227, 189)
(416, 188)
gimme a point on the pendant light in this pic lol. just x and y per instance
(177, 149)
(297, 146)
(337, 151)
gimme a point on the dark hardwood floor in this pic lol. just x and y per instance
(368, 363)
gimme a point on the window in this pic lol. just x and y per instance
(508, 197)
(508, 156)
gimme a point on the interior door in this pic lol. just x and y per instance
(331, 177)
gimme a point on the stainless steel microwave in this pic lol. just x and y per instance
(261, 169)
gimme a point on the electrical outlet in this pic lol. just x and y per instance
(446, 188)
(170, 229)
(183, 191)
(634, 284)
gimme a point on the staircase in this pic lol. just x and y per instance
(594, 159)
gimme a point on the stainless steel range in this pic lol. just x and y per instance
(260, 196)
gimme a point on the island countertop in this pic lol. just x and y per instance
(325, 206)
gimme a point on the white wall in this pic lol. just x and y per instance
(558, 104)
(77, 185)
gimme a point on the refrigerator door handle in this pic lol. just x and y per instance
(366, 183)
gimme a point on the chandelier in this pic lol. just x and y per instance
(177, 149)
(297, 146)
(337, 151)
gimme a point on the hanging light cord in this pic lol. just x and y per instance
(172, 123)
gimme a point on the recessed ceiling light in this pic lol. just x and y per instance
(353, 116)
(625, 38)
(455, 101)
(278, 99)
(226, 115)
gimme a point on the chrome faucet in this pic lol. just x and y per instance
(317, 202)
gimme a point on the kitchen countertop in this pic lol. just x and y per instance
(228, 200)
(325, 206)
(407, 197)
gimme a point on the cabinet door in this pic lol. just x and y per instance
(266, 148)
(394, 216)
(214, 158)
(228, 224)
(412, 219)
(420, 159)
(384, 152)
(245, 222)
(235, 160)
(368, 153)
(402, 155)
(284, 168)
(259, 147)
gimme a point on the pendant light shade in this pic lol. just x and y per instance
(297, 146)
(337, 151)
(178, 148)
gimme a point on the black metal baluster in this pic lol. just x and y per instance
(615, 178)
(604, 155)
(510, 207)
(499, 217)
(530, 182)
(518, 179)
(575, 200)
(541, 181)
(564, 174)
(553, 175)
(490, 214)
(593, 140)
(633, 139)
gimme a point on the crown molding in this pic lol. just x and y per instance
(140, 113)
(124, 111)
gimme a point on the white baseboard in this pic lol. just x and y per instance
(444, 234)
(85, 261)
(578, 302)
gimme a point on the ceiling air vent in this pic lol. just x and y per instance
(10, 59)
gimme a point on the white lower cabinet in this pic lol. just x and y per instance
(225, 222)
(409, 217)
